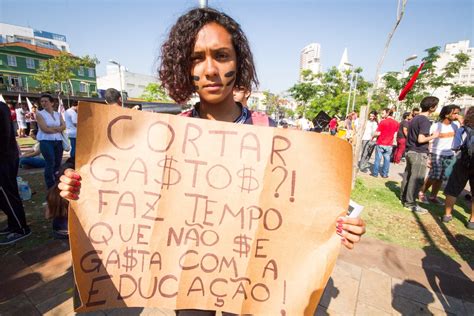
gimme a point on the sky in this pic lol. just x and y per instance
(131, 32)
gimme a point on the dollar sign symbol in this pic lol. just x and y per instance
(249, 182)
(243, 244)
(166, 179)
(130, 261)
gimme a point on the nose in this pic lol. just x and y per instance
(211, 68)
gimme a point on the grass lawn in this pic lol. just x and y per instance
(40, 227)
(25, 141)
(387, 220)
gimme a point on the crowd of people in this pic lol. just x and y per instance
(444, 147)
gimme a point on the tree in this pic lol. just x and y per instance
(328, 91)
(154, 92)
(272, 102)
(430, 78)
(56, 73)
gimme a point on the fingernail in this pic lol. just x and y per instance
(339, 230)
(76, 184)
(76, 176)
(339, 220)
(339, 225)
(343, 239)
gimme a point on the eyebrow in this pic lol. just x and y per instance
(198, 50)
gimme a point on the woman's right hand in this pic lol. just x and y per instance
(70, 185)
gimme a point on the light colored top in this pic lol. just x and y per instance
(370, 128)
(20, 115)
(442, 145)
(50, 122)
(70, 116)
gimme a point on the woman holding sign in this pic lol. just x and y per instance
(208, 53)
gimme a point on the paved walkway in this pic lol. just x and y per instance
(376, 278)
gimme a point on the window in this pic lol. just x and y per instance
(11, 60)
(83, 87)
(30, 63)
(80, 72)
(91, 72)
(15, 82)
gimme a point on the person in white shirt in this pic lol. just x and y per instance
(70, 116)
(441, 154)
(367, 137)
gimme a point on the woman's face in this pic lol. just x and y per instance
(46, 104)
(214, 64)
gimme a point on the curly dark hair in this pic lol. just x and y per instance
(176, 63)
(469, 117)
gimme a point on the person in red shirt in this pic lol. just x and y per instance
(385, 132)
(333, 125)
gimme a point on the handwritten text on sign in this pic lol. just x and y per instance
(186, 213)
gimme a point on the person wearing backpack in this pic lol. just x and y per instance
(463, 170)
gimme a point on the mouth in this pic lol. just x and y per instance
(213, 87)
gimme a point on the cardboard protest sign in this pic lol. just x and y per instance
(184, 213)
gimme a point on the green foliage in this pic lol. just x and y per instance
(56, 73)
(272, 102)
(328, 91)
(154, 92)
(429, 79)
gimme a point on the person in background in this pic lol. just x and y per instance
(348, 127)
(26, 111)
(10, 201)
(385, 134)
(241, 95)
(33, 158)
(333, 126)
(21, 120)
(113, 97)
(417, 155)
(441, 154)
(401, 137)
(33, 122)
(13, 118)
(367, 141)
(463, 170)
(415, 112)
(70, 116)
(51, 125)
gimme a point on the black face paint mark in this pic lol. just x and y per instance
(230, 82)
(196, 78)
(230, 74)
(196, 88)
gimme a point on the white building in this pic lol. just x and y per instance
(256, 101)
(344, 63)
(133, 83)
(465, 77)
(310, 58)
(10, 33)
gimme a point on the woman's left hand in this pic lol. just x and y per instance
(350, 230)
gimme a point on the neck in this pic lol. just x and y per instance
(227, 110)
(425, 113)
(446, 121)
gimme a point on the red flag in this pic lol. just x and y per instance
(410, 84)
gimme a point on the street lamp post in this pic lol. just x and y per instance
(203, 3)
(120, 78)
(355, 92)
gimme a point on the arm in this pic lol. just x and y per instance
(32, 153)
(405, 131)
(425, 139)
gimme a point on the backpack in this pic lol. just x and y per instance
(467, 149)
